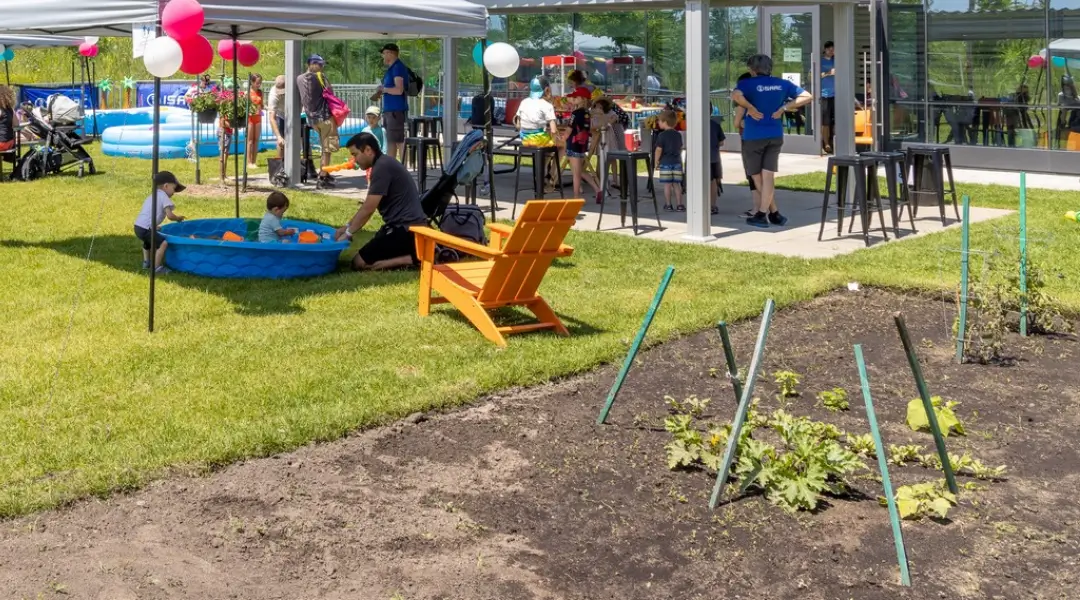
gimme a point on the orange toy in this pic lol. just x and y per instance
(309, 237)
(350, 165)
(231, 237)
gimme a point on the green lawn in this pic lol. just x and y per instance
(248, 368)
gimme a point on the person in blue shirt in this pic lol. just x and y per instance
(828, 95)
(394, 94)
(765, 99)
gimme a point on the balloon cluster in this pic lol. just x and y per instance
(500, 59)
(89, 48)
(6, 53)
(245, 53)
(183, 49)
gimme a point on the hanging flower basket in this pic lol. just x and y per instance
(244, 109)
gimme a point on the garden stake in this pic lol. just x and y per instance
(965, 245)
(729, 355)
(924, 393)
(1023, 254)
(744, 404)
(879, 445)
(636, 345)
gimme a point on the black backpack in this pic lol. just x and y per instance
(465, 221)
(415, 84)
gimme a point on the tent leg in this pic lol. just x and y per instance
(153, 195)
(236, 132)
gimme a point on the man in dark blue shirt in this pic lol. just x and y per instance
(828, 95)
(765, 99)
(394, 93)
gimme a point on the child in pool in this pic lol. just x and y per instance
(270, 229)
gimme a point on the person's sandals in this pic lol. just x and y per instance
(714, 210)
(669, 208)
(681, 208)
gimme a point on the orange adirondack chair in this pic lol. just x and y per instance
(517, 259)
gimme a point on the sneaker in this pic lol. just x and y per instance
(681, 208)
(748, 213)
(162, 270)
(777, 219)
(599, 197)
(669, 208)
(146, 265)
(758, 220)
(714, 210)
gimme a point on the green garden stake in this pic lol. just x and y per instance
(1023, 255)
(965, 245)
(879, 445)
(924, 393)
(636, 345)
(729, 356)
(744, 405)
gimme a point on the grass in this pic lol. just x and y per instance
(91, 403)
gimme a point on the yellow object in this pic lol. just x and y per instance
(1073, 143)
(231, 237)
(308, 237)
(1071, 216)
(864, 128)
(513, 265)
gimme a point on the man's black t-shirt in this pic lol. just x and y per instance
(400, 204)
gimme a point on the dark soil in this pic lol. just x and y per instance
(522, 497)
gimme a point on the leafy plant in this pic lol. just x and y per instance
(862, 444)
(834, 400)
(691, 406)
(946, 418)
(788, 382)
(204, 101)
(966, 464)
(923, 499)
(244, 107)
(902, 455)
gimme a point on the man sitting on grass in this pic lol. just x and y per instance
(393, 194)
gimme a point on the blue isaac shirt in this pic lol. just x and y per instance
(392, 103)
(767, 94)
(828, 84)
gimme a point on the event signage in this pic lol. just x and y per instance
(39, 96)
(172, 94)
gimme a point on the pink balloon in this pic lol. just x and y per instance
(93, 51)
(182, 19)
(1036, 62)
(248, 55)
(198, 55)
(86, 49)
(226, 49)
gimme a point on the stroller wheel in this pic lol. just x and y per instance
(90, 168)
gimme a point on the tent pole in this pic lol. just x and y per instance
(153, 195)
(236, 131)
(96, 97)
(7, 73)
(489, 132)
(247, 137)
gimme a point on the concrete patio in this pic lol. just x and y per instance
(728, 229)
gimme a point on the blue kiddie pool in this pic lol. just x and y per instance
(197, 247)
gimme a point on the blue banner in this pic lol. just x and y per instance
(39, 96)
(172, 94)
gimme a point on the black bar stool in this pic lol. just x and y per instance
(416, 151)
(936, 159)
(896, 179)
(627, 161)
(844, 167)
(541, 156)
(425, 126)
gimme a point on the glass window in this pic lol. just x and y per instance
(1063, 70)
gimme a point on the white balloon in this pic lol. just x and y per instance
(2, 48)
(92, 39)
(501, 59)
(163, 57)
(1042, 53)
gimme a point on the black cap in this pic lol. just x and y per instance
(391, 47)
(167, 177)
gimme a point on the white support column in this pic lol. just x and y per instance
(450, 94)
(698, 219)
(844, 40)
(293, 141)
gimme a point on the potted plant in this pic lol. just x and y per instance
(205, 106)
(244, 109)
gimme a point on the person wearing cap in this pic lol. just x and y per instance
(166, 186)
(578, 141)
(275, 111)
(536, 117)
(393, 92)
(372, 125)
(311, 85)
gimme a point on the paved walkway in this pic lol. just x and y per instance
(729, 230)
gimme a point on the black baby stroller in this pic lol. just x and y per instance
(465, 165)
(61, 148)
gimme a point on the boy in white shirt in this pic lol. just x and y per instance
(167, 186)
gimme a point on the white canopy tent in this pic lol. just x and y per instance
(696, 19)
(26, 42)
(262, 20)
(265, 20)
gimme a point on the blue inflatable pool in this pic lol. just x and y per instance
(196, 247)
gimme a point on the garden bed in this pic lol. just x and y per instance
(522, 496)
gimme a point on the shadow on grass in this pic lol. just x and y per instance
(254, 297)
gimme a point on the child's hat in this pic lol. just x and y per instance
(581, 92)
(164, 177)
(373, 110)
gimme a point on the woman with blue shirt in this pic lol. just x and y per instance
(393, 92)
(765, 99)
